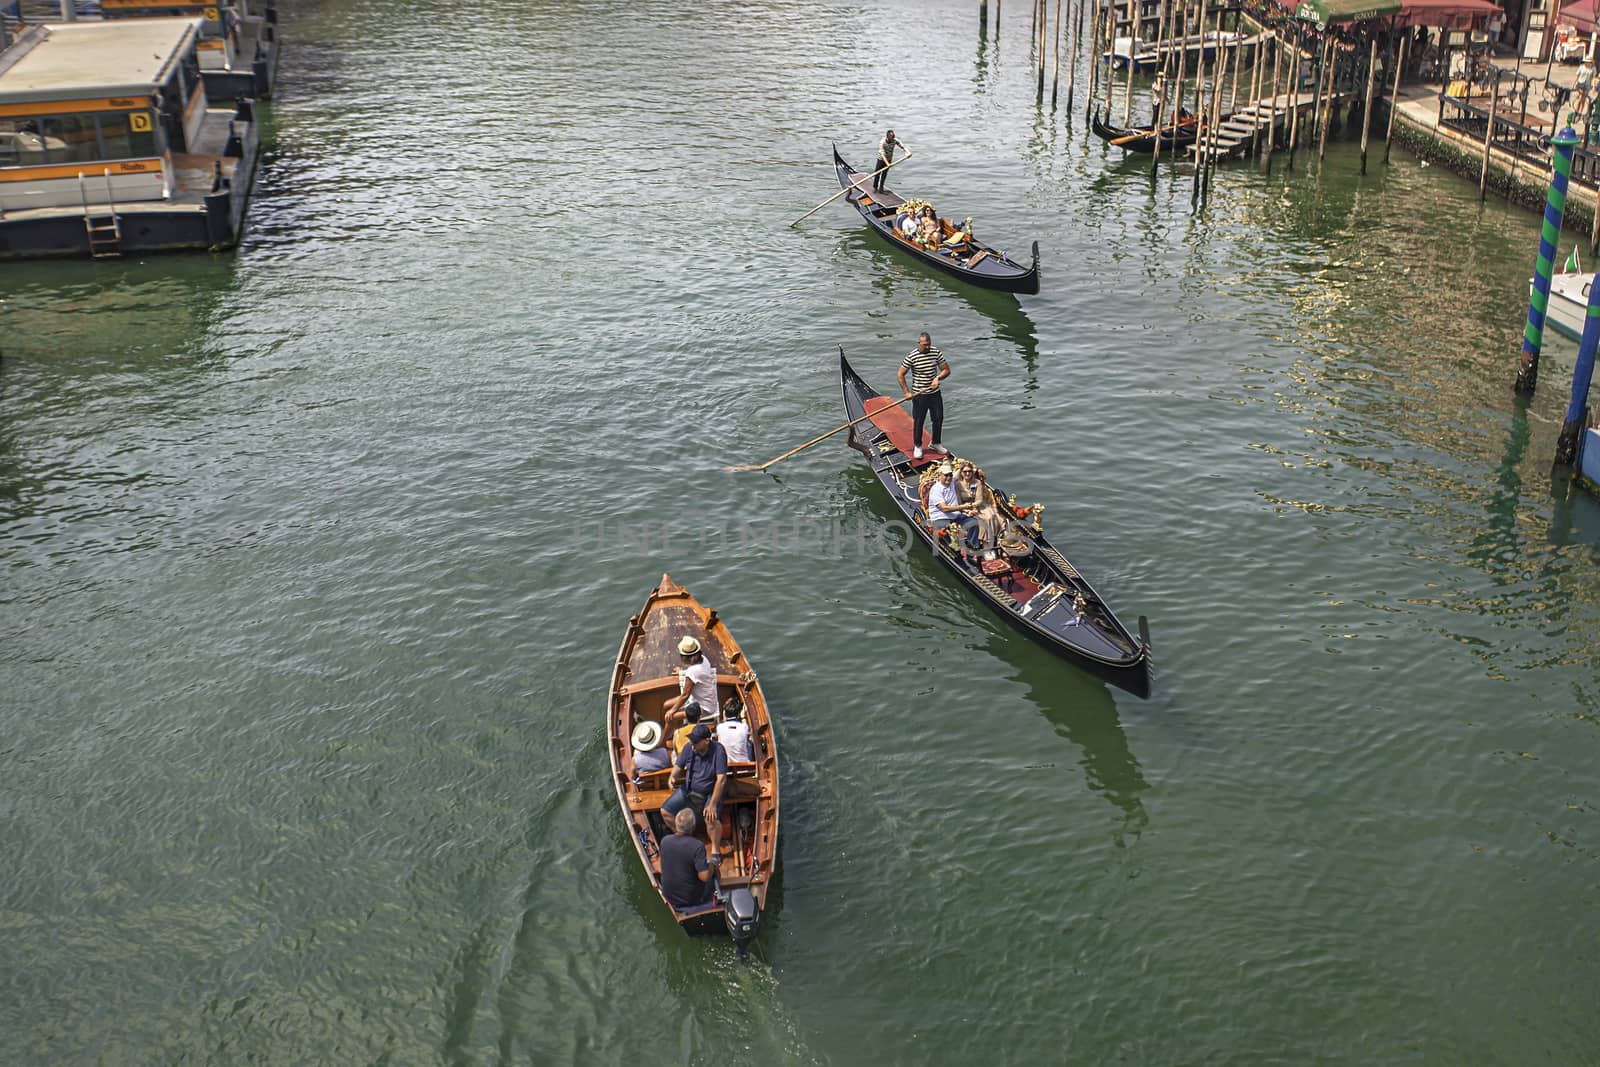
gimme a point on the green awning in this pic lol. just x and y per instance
(1332, 12)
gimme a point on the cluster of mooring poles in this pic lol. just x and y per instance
(1295, 75)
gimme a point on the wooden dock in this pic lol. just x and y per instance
(1238, 129)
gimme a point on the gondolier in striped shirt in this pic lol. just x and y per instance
(886, 149)
(927, 368)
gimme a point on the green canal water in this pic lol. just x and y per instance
(316, 557)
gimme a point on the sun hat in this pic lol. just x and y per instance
(699, 734)
(688, 646)
(945, 468)
(647, 737)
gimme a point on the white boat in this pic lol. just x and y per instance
(1569, 303)
(1147, 55)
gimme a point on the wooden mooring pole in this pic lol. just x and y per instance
(1133, 50)
(1072, 58)
(1255, 96)
(1272, 108)
(1488, 139)
(1111, 51)
(1331, 77)
(1055, 75)
(1294, 93)
(1158, 109)
(1180, 31)
(1043, 23)
(1394, 100)
(1216, 112)
(1094, 59)
(1366, 118)
(1199, 106)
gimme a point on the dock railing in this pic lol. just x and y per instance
(1512, 136)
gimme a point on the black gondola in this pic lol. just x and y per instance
(1026, 581)
(1134, 139)
(968, 260)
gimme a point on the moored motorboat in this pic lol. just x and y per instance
(1148, 55)
(1177, 135)
(1024, 578)
(958, 253)
(641, 682)
(1569, 303)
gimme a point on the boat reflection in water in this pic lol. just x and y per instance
(894, 279)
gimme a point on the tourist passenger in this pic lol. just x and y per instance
(697, 677)
(928, 368)
(946, 509)
(971, 490)
(686, 872)
(698, 780)
(732, 733)
(649, 754)
(908, 226)
(886, 149)
(928, 229)
(692, 714)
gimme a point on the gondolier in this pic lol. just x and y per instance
(886, 149)
(927, 367)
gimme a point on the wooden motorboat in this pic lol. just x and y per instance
(966, 258)
(641, 682)
(1027, 581)
(1143, 139)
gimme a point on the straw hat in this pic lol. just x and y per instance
(688, 646)
(647, 737)
(945, 468)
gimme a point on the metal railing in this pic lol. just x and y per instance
(1513, 136)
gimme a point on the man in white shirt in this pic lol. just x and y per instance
(945, 507)
(733, 735)
(696, 678)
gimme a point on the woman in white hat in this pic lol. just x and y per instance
(697, 678)
(649, 754)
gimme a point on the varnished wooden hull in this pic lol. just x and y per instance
(641, 679)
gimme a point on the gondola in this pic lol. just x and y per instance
(641, 681)
(970, 260)
(1136, 139)
(1028, 582)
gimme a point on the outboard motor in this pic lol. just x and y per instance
(743, 919)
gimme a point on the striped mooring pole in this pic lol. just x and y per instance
(1555, 206)
(1582, 374)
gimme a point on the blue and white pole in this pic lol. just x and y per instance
(1555, 206)
(1582, 374)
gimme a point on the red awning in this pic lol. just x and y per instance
(1580, 13)
(1447, 14)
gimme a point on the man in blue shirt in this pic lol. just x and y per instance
(686, 874)
(699, 778)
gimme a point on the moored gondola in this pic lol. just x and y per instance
(641, 682)
(957, 253)
(1024, 578)
(1137, 139)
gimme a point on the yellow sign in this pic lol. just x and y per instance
(139, 122)
(211, 14)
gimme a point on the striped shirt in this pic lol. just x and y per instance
(924, 367)
(886, 149)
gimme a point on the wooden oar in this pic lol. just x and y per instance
(852, 187)
(824, 437)
(1146, 133)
